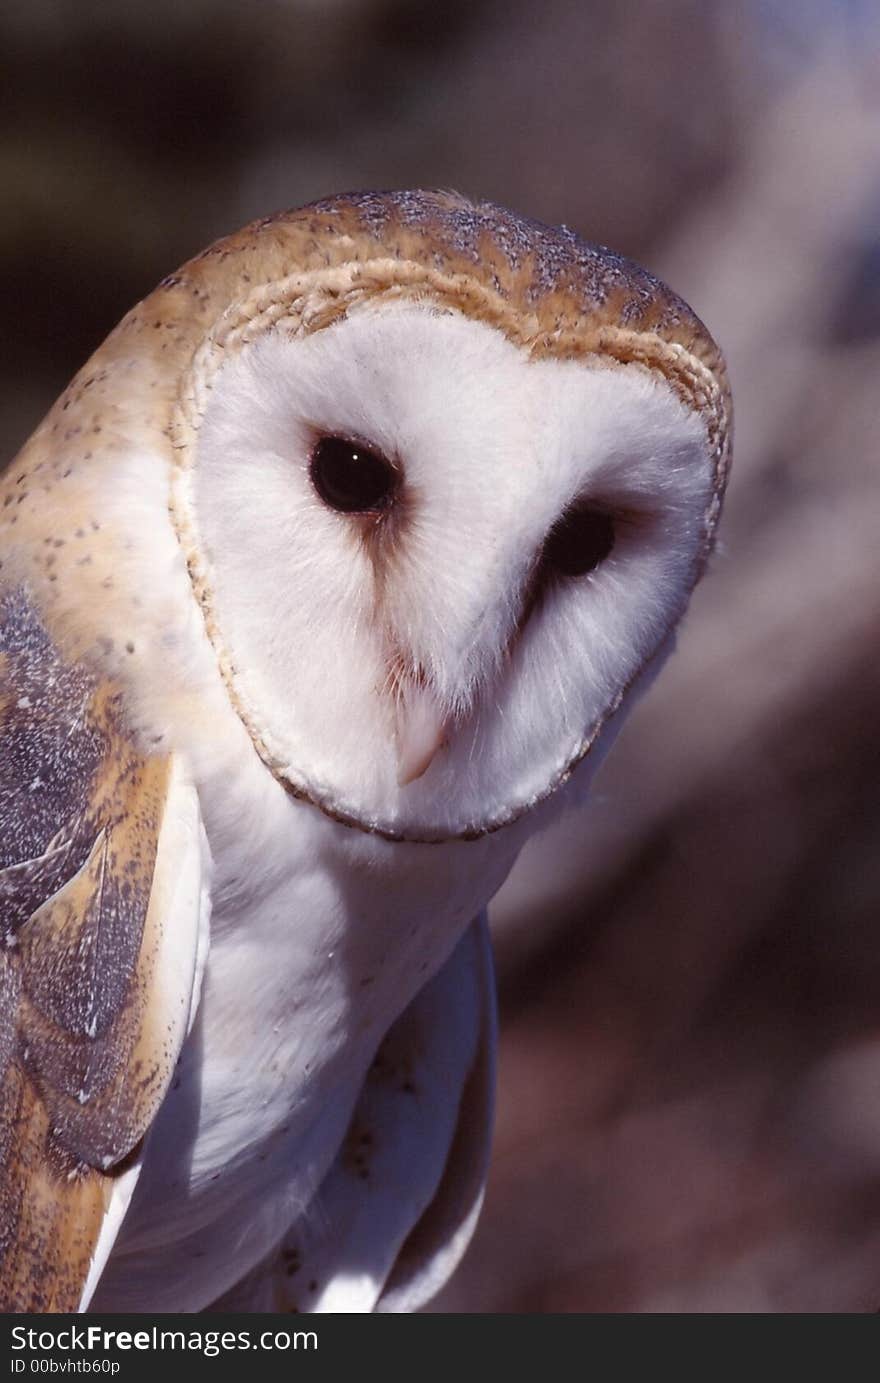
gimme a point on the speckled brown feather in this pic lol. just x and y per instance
(84, 1058)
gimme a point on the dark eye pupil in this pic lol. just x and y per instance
(350, 477)
(581, 539)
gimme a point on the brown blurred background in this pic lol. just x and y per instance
(689, 1113)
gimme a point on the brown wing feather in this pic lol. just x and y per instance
(84, 1058)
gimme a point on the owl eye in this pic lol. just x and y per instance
(352, 478)
(577, 544)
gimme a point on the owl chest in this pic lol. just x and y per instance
(302, 981)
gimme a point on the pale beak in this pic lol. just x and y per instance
(421, 731)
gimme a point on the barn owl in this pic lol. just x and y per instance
(327, 582)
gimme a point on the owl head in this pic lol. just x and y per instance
(443, 479)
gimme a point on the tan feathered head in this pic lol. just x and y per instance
(540, 431)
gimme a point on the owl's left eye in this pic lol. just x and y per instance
(350, 477)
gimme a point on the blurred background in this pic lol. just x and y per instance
(689, 1109)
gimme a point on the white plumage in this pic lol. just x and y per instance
(494, 449)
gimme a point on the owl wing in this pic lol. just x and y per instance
(397, 1208)
(454, 1017)
(102, 929)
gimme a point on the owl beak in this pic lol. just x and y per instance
(421, 731)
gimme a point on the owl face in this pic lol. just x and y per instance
(435, 562)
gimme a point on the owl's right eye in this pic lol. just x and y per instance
(352, 478)
(579, 542)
